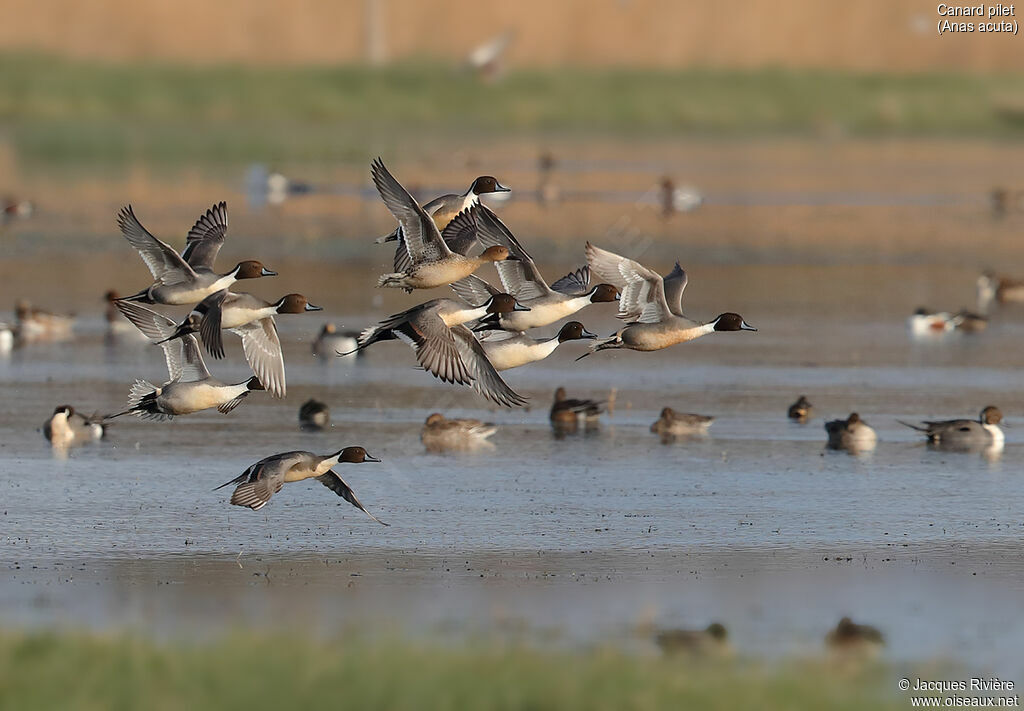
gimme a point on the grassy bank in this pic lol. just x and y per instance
(44, 671)
(60, 111)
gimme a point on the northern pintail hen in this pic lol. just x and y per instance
(187, 278)
(265, 478)
(34, 324)
(252, 319)
(446, 348)
(568, 413)
(439, 434)
(190, 387)
(853, 434)
(521, 278)
(66, 427)
(681, 424)
(508, 350)
(655, 321)
(954, 434)
(800, 410)
(712, 641)
(433, 263)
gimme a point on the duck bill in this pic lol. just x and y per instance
(311, 307)
(744, 326)
(588, 335)
(499, 188)
(267, 272)
(520, 307)
(371, 458)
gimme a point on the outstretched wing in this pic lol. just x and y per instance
(207, 237)
(575, 283)
(642, 290)
(675, 283)
(262, 349)
(519, 276)
(420, 234)
(333, 481)
(163, 262)
(486, 380)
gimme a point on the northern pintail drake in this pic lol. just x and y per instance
(712, 641)
(924, 322)
(849, 637)
(800, 410)
(252, 319)
(265, 478)
(568, 413)
(852, 434)
(653, 306)
(332, 341)
(995, 287)
(190, 387)
(439, 434)
(955, 434)
(446, 348)
(67, 427)
(444, 209)
(433, 264)
(186, 278)
(521, 278)
(314, 415)
(33, 324)
(680, 424)
(508, 350)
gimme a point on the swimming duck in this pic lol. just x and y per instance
(66, 427)
(852, 434)
(957, 434)
(187, 278)
(33, 324)
(712, 641)
(314, 415)
(1003, 289)
(655, 322)
(800, 410)
(12, 209)
(332, 341)
(508, 350)
(439, 434)
(521, 278)
(446, 348)
(567, 413)
(680, 424)
(265, 478)
(6, 338)
(924, 322)
(850, 638)
(432, 262)
(969, 322)
(253, 320)
(190, 387)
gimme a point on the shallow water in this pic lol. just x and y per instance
(587, 537)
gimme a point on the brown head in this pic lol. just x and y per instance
(853, 419)
(560, 394)
(355, 455)
(667, 413)
(574, 331)
(22, 308)
(732, 322)
(111, 296)
(251, 269)
(991, 415)
(487, 184)
(497, 253)
(503, 304)
(295, 304)
(603, 293)
(434, 420)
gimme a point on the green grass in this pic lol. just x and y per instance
(78, 671)
(55, 110)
